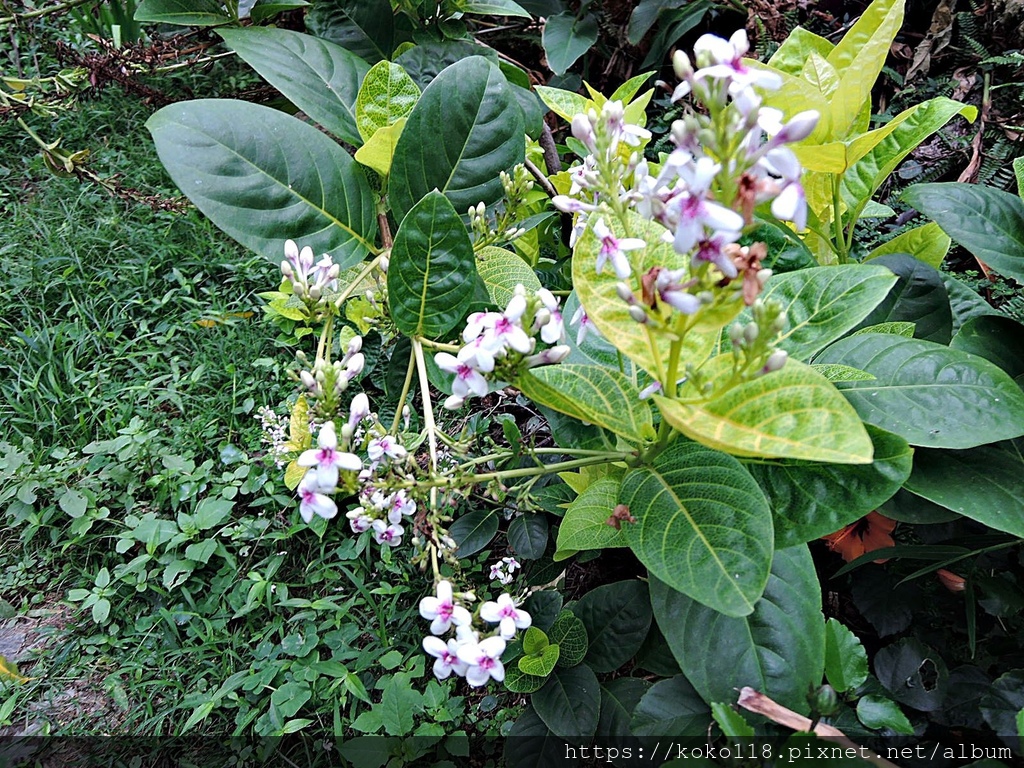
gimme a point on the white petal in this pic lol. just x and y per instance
(490, 611)
(435, 646)
(477, 676)
(492, 647)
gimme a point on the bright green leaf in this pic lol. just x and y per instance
(188, 13)
(846, 661)
(494, 8)
(541, 663)
(502, 271)
(585, 524)
(878, 712)
(386, 96)
(379, 150)
(927, 243)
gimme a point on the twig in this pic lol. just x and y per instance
(760, 704)
(547, 143)
(538, 174)
(39, 12)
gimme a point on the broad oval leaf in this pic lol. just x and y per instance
(364, 27)
(987, 222)
(999, 340)
(928, 394)
(386, 95)
(189, 13)
(792, 413)
(319, 77)
(796, 48)
(502, 271)
(570, 635)
(566, 38)
(812, 499)
(778, 650)
(570, 702)
(927, 243)
(432, 274)
(703, 526)
(264, 177)
(671, 708)
(617, 617)
(531, 744)
(619, 699)
(984, 483)
(585, 524)
(474, 531)
(425, 61)
(919, 297)
(823, 303)
(528, 536)
(592, 394)
(483, 134)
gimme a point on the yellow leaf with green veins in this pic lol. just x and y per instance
(819, 73)
(379, 149)
(795, 50)
(386, 95)
(927, 243)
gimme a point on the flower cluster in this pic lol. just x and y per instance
(325, 382)
(499, 344)
(382, 514)
(504, 570)
(470, 653)
(308, 280)
(321, 479)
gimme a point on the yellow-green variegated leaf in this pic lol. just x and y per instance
(798, 95)
(585, 524)
(386, 95)
(592, 394)
(610, 314)
(819, 73)
(927, 243)
(797, 48)
(379, 149)
(793, 413)
(293, 475)
(565, 104)
(502, 271)
(9, 672)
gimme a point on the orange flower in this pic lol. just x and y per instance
(866, 535)
(951, 581)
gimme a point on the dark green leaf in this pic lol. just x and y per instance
(189, 13)
(266, 9)
(965, 303)
(432, 271)
(619, 698)
(544, 607)
(779, 649)
(913, 673)
(365, 28)
(482, 136)
(908, 507)
(566, 38)
(919, 297)
(846, 661)
(528, 536)
(986, 221)
(703, 526)
(569, 703)
(984, 483)
(426, 61)
(571, 636)
(928, 394)
(888, 605)
(655, 656)
(617, 617)
(877, 712)
(474, 531)
(999, 340)
(264, 177)
(810, 499)
(320, 78)
(530, 744)
(671, 708)
(1002, 703)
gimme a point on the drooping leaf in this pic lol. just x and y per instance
(927, 243)
(585, 524)
(379, 150)
(566, 38)
(779, 649)
(433, 272)
(984, 483)
(482, 136)
(593, 394)
(9, 672)
(792, 413)
(812, 499)
(823, 303)
(928, 394)
(703, 526)
(366, 28)
(671, 708)
(264, 177)
(387, 94)
(317, 76)
(502, 271)
(188, 13)
(846, 661)
(570, 702)
(919, 296)
(965, 303)
(617, 617)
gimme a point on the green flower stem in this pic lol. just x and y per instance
(325, 343)
(469, 480)
(837, 223)
(610, 455)
(428, 415)
(439, 345)
(405, 393)
(363, 274)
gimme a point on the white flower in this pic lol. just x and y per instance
(712, 248)
(387, 535)
(358, 520)
(484, 660)
(692, 211)
(613, 249)
(723, 59)
(447, 660)
(468, 380)
(388, 446)
(442, 611)
(552, 329)
(359, 409)
(327, 460)
(401, 506)
(671, 290)
(313, 502)
(586, 325)
(505, 614)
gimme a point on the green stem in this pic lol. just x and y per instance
(451, 482)
(325, 344)
(837, 223)
(59, 8)
(610, 455)
(363, 274)
(405, 393)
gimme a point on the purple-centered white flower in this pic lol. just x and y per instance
(693, 210)
(712, 249)
(312, 501)
(446, 655)
(387, 535)
(442, 611)
(614, 249)
(327, 460)
(468, 380)
(552, 329)
(671, 291)
(358, 520)
(791, 203)
(506, 615)
(400, 506)
(358, 410)
(586, 325)
(383, 446)
(483, 660)
(723, 59)
(614, 116)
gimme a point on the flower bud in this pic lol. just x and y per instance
(314, 293)
(287, 271)
(776, 360)
(800, 127)
(355, 345)
(355, 364)
(347, 430)
(542, 318)
(384, 263)
(736, 333)
(583, 129)
(650, 390)
(625, 293)
(308, 381)
(637, 313)
(454, 402)
(750, 332)
(681, 65)
(762, 276)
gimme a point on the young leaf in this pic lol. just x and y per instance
(387, 95)
(928, 394)
(320, 78)
(483, 135)
(779, 649)
(593, 394)
(379, 150)
(585, 524)
(432, 274)
(703, 526)
(566, 38)
(926, 243)
(846, 661)
(541, 663)
(231, 158)
(569, 634)
(793, 413)
(502, 271)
